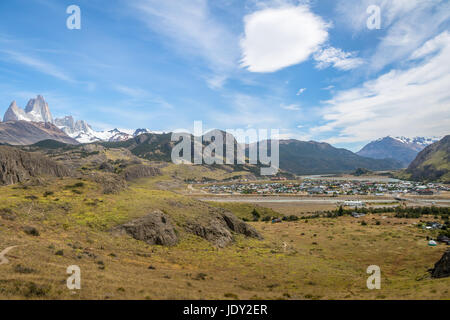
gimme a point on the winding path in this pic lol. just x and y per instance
(3, 259)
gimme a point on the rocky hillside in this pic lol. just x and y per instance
(433, 163)
(19, 166)
(26, 133)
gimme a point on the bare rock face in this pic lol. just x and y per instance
(442, 267)
(154, 228)
(219, 227)
(18, 166)
(140, 171)
(37, 110)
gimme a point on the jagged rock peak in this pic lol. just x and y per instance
(37, 110)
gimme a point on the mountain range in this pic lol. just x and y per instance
(35, 123)
(402, 149)
(38, 111)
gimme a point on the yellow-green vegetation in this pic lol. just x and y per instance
(247, 211)
(324, 258)
(199, 173)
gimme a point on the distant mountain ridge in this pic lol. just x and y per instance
(37, 110)
(310, 157)
(402, 149)
(297, 157)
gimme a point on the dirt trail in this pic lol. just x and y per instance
(3, 259)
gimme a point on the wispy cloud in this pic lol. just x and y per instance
(191, 29)
(337, 58)
(143, 96)
(299, 92)
(291, 107)
(412, 101)
(37, 64)
(405, 25)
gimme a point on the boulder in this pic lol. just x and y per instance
(154, 228)
(219, 226)
(442, 267)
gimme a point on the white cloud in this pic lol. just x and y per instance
(276, 38)
(301, 91)
(410, 102)
(291, 107)
(337, 58)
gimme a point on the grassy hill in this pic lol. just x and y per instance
(432, 163)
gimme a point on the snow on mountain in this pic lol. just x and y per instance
(424, 141)
(403, 149)
(36, 110)
(82, 132)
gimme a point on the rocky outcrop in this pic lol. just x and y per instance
(216, 226)
(442, 267)
(110, 182)
(26, 133)
(219, 226)
(140, 171)
(37, 110)
(72, 127)
(19, 166)
(154, 228)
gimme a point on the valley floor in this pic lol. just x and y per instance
(322, 258)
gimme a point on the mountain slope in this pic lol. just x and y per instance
(18, 166)
(433, 163)
(25, 133)
(297, 157)
(301, 157)
(402, 149)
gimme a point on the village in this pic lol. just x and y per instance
(327, 187)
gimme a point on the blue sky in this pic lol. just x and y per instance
(312, 69)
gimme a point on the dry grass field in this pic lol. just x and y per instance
(323, 258)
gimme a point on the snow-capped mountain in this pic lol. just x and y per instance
(422, 141)
(403, 149)
(37, 110)
(81, 131)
